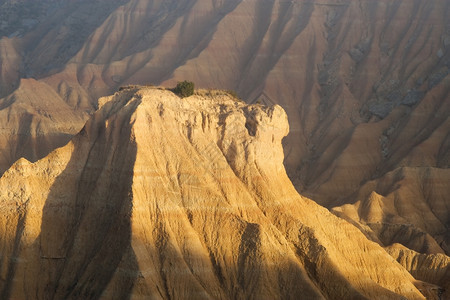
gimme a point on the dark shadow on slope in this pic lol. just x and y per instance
(28, 142)
(12, 264)
(408, 235)
(287, 27)
(44, 145)
(85, 232)
(250, 273)
(322, 269)
(68, 25)
(401, 147)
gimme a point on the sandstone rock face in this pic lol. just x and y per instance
(164, 197)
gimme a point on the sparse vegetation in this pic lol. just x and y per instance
(217, 93)
(184, 89)
(128, 87)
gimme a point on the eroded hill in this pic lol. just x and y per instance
(164, 197)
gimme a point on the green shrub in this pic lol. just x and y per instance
(184, 89)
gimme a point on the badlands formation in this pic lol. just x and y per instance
(168, 198)
(365, 85)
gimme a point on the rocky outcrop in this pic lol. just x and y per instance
(164, 197)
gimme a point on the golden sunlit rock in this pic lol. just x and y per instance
(164, 197)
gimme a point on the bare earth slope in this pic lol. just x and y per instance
(365, 85)
(168, 198)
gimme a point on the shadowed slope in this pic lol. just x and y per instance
(80, 198)
(34, 120)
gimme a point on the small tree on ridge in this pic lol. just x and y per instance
(184, 89)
